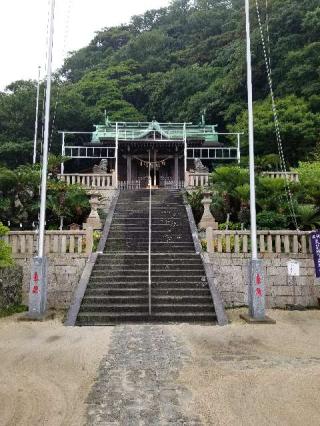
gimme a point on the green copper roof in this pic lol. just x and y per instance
(136, 131)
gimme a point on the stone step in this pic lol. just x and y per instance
(163, 238)
(133, 232)
(139, 217)
(156, 250)
(122, 263)
(106, 308)
(182, 307)
(165, 241)
(144, 250)
(164, 256)
(117, 267)
(157, 267)
(120, 281)
(171, 263)
(127, 291)
(132, 228)
(156, 259)
(144, 205)
(143, 284)
(116, 254)
(113, 307)
(100, 319)
(182, 272)
(143, 299)
(140, 277)
(122, 245)
(137, 231)
(182, 291)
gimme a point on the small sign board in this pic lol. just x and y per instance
(293, 268)
(315, 242)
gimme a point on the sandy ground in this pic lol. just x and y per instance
(46, 371)
(238, 375)
(256, 374)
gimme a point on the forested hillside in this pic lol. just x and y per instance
(173, 63)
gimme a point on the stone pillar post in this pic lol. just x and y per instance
(129, 168)
(89, 240)
(176, 170)
(155, 168)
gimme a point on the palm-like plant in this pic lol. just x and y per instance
(308, 217)
(229, 182)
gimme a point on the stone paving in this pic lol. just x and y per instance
(137, 380)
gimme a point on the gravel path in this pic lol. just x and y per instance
(137, 381)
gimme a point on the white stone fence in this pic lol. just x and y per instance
(56, 242)
(291, 176)
(197, 180)
(90, 180)
(287, 242)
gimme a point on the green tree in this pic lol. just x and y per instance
(298, 126)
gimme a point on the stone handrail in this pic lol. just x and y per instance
(197, 180)
(89, 180)
(56, 242)
(295, 242)
(129, 186)
(292, 176)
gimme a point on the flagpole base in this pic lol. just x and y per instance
(257, 295)
(38, 288)
(250, 320)
(47, 316)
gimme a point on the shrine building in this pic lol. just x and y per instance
(170, 155)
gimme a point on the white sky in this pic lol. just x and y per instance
(23, 29)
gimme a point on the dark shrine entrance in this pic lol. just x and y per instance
(164, 165)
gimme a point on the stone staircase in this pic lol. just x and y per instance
(118, 288)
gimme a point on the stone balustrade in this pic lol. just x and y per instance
(291, 176)
(129, 186)
(287, 242)
(90, 180)
(56, 242)
(198, 180)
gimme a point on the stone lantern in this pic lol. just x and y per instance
(207, 220)
(94, 220)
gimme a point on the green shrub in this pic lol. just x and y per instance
(96, 239)
(231, 226)
(271, 220)
(5, 249)
(11, 310)
(204, 245)
(194, 199)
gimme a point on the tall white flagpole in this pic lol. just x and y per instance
(254, 250)
(256, 290)
(36, 120)
(38, 284)
(46, 137)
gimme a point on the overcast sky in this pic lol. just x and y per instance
(23, 29)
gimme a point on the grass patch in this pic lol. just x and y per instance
(11, 310)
